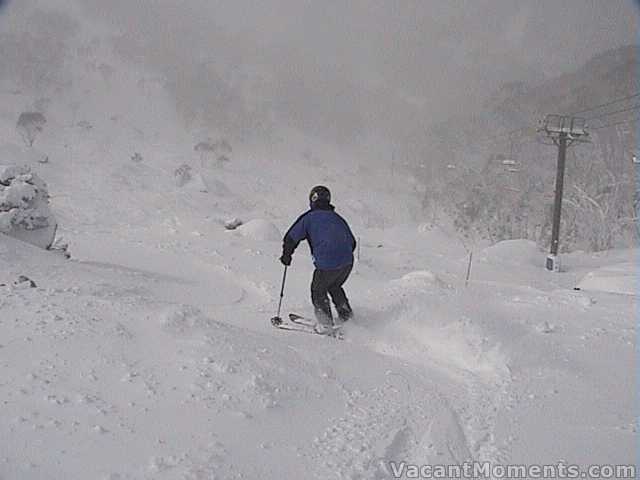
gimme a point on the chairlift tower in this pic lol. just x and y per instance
(563, 130)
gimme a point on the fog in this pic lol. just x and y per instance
(346, 69)
(362, 64)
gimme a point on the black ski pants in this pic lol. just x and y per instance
(330, 282)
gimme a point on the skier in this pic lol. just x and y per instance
(332, 245)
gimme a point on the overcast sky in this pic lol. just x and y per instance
(441, 56)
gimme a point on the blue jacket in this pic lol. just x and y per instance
(329, 236)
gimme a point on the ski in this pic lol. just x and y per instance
(298, 323)
(336, 330)
(300, 320)
(292, 327)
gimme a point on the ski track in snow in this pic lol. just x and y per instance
(475, 375)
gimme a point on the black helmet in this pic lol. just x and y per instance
(319, 193)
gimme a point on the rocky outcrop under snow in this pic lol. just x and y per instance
(24, 206)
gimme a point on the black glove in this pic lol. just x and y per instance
(286, 259)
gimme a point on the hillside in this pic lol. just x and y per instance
(150, 355)
(518, 194)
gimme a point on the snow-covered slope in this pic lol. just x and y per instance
(150, 354)
(142, 360)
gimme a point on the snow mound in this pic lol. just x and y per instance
(513, 252)
(260, 229)
(618, 278)
(419, 280)
(185, 319)
(24, 206)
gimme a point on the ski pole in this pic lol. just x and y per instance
(284, 278)
(466, 282)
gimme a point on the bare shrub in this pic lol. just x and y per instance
(29, 125)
